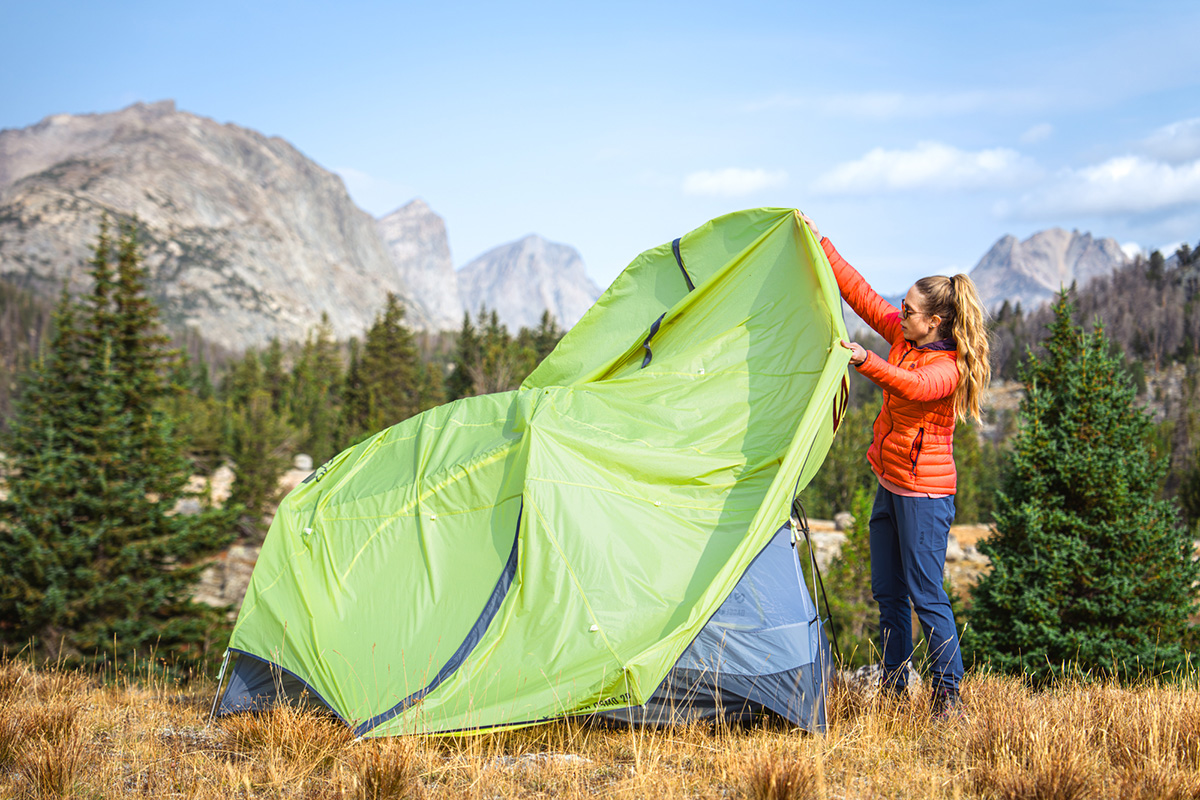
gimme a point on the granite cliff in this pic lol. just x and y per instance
(244, 237)
(1031, 272)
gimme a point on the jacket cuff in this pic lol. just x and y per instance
(867, 368)
(830, 251)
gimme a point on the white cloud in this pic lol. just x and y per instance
(731, 182)
(1124, 185)
(930, 165)
(1037, 133)
(1177, 143)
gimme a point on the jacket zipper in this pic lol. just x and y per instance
(886, 397)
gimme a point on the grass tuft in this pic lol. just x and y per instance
(52, 769)
(385, 771)
(772, 776)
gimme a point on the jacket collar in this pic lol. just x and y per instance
(941, 344)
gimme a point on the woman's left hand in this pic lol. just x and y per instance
(858, 353)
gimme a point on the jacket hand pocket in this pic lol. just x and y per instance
(914, 450)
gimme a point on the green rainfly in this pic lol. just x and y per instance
(550, 551)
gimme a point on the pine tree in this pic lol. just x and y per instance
(853, 610)
(94, 564)
(466, 353)
(845, 470)
(978, 465)
(258, 438)
(275, 377)
(315, 401)
(1089, 571)
(260, 445)
(389, 368)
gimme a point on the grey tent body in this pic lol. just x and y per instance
(763, 652)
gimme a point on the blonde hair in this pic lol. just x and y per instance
(956, 301)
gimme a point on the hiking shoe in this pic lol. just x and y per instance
(946, 706)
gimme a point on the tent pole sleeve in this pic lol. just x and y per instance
(679, 260)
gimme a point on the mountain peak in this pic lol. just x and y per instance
(1033, 270)
(419, 248)
(414, 207)
(524, 278)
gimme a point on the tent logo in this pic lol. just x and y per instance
(620, 700)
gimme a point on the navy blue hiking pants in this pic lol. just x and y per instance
(908, 556)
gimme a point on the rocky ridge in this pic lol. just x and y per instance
(416, 240)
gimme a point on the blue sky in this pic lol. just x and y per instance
(915, 134)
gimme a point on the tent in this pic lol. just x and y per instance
(563, 548)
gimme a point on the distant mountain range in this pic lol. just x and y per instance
(246, 239)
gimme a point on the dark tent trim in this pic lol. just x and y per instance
(253, 674)
(473, 636)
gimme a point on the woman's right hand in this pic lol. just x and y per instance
(816, 231)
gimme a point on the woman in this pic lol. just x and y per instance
(936, 372)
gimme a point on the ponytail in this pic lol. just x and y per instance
(956, 301)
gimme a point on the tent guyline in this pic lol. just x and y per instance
(610, 539)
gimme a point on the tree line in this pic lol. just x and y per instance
(322, 396)
(97, 562)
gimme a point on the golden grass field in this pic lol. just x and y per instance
(63, 734)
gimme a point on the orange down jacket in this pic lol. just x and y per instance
(913, 443)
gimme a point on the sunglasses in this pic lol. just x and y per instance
(906, 312)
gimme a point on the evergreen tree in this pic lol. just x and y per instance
(259, 438)
(496, 368)
(386, 386)
(315, 401)
(197, 413)
(354, 398)
(466, 353)
(846, 469)
(978, 465)
(1089, 570)
(545, 336)
(852, 607)
(260, 445)
(94, 564)
(275, 377)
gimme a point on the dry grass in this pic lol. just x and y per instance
(65, 736)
